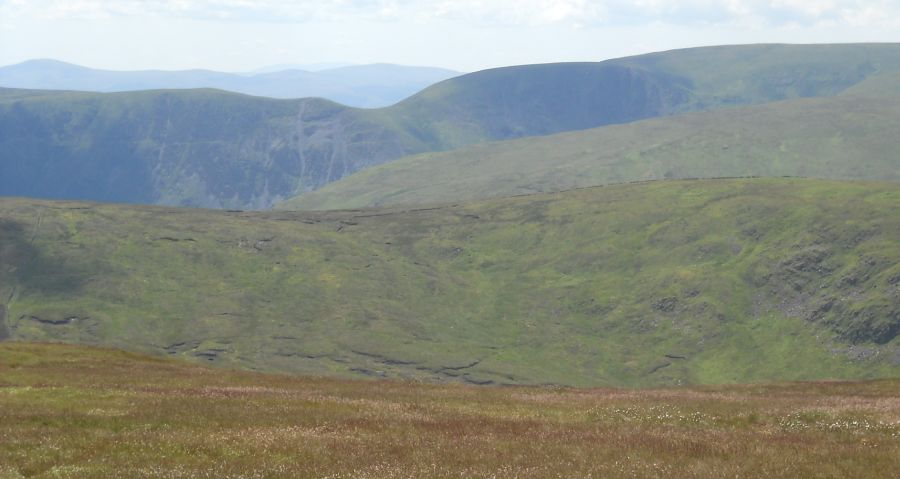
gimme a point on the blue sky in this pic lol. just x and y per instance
(466, 35)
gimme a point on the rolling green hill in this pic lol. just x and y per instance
(530, 100)
(853, 136)
(672, 282)
(206, 148)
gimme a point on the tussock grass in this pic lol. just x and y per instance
(69, 411)
(663, 283)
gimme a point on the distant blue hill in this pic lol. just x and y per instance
(366, 86)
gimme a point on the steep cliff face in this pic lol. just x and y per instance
(193, 148)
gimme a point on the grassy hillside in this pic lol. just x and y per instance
(714, 281)
(75, 412)
(853, 136)
(204, 148)
(748, 74)
(529, 100)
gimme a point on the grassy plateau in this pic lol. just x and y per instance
(660, 283)
(78, 412)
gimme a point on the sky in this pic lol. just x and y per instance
(464, 35)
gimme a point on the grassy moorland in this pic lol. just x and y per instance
(661, 283)
(852, 136)
(76, 412)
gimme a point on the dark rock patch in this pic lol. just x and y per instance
(54, 321)
(181, 347)
(666, 305)
(879, 325)
(210, 354)
(459, 368)
(658, 367)
(809, 261)
(477, 381)
(384, 359)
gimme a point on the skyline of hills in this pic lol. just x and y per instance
(365, 86)
(215, 149)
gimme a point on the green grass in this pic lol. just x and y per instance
(849, 137)
(755, 74)
(677, 282)
(78, 412)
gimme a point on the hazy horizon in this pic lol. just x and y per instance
(261, 70)
(465, 36)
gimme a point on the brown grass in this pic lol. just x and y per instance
(70, 411)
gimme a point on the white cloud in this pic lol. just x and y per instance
(479, 12)
(462, 34)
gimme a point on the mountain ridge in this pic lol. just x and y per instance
(300, 145)
(366, 86)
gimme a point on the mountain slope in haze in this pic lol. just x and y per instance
(847, 137)
(197, 147)
(239, 152)
(365, 86)
(753, 74)
(531, 100)
(658, 283)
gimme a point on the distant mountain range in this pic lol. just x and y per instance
(367, 86)
(223, 150)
